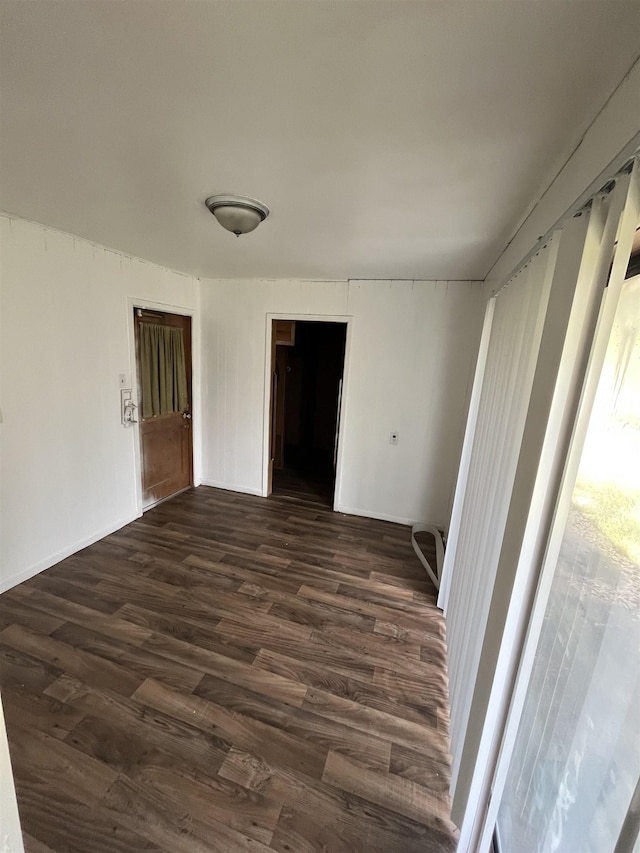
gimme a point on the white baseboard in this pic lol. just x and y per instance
(52, 559)
(230, 487)
(379, 516)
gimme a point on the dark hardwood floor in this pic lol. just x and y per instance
(306, 486)
(230, 673)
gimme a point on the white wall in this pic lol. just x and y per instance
(67, 464)
(411, 352)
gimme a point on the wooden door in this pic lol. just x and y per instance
(166, 444)
(283, 333)
(282, 367)
(272, 408)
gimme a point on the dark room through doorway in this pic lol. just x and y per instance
(307, 365)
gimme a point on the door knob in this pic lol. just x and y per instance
(186, 416)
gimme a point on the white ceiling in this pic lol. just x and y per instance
(390, 139)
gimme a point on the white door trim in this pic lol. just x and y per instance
(347, 319)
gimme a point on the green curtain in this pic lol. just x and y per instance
(163, 373)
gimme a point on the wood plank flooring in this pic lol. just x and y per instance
(230, 673)
(312, 485)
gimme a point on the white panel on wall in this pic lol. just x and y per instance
(68, 465)
(411, 353)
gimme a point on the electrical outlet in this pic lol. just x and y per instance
(393, 438)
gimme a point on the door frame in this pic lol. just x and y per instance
(347, 320)
(132, 304)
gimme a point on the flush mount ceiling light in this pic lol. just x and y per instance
(237, 213)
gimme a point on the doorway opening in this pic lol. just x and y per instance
(307, 366)
(163, 363)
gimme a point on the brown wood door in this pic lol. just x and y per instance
(166, 443)
(272, 408)
(282, 365)
(283, 334)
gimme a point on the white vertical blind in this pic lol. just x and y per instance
(465, 458)
(623, 217)
(472, 555)
(503, 413)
